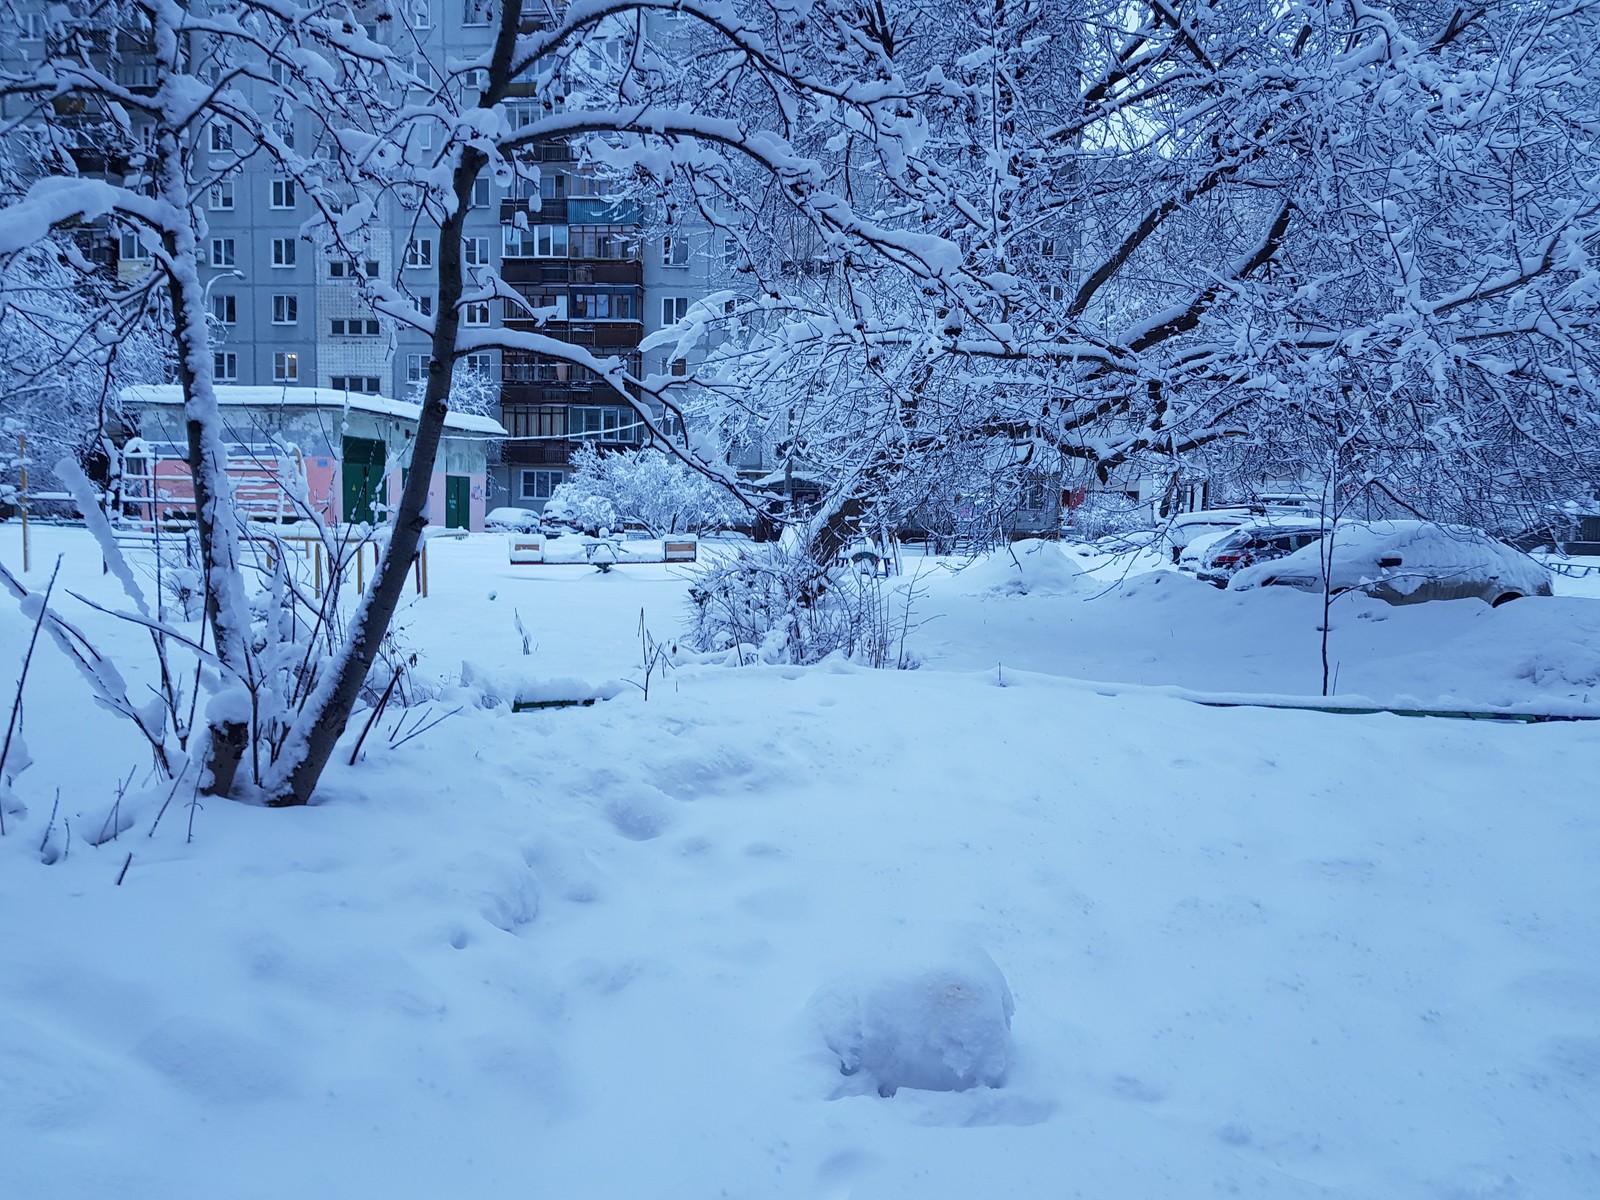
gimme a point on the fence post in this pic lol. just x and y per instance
(22, 498)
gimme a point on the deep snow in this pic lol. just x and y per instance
(604, 952)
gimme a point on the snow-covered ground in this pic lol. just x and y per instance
(623, 951)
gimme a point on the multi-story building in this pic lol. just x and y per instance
(284, 311)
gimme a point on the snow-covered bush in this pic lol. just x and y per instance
(1105, 514)
(773, 603)
(645, 487)
(940, 1022)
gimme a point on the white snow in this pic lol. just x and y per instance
(1093, 937)
(282, 396)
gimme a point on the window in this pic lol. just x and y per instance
(421, 14)
(478, 364)
(285, 310)
(730, 253)
(368, 384)
(221, 135)
(132, 249)
(425, 305)
(540, 485)
(674, 366)
(602, 424)
(419, 252)
(225, 366)
(283, 193)
(1047, 248)
(535, 420)
(225, 310)
(616, 243)
(475, 251)
(480, 193)
(416, 368)
(541, 241)
(538, 306)
(355, 327)
(222, 254)
(283, 252)
(1055, 293)
(674, 309)
(283, 126)
(278, 72)
(477, 12)
(421, 70)
(285, 367)
(620, 305)
(674, 251)
(338, 269)
(33, 27)
(476, 313)
(220, 197)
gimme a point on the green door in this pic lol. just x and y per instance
(457, 502)
(363, 460)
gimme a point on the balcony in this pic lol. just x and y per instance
(601, 271)
(549, 212)
(556, 453)
(536, 270)
(603, 210)
(605, 333)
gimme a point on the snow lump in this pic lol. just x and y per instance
(938, 1021)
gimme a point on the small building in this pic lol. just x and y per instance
(351, 450)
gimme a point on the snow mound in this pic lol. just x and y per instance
(507, 683)
(939, 1021)
(1030, 567)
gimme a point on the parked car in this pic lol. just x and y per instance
(1186, 529)
(1257, 542)
(512, 520)
(1407, 562)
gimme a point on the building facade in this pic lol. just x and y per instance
(285, 312)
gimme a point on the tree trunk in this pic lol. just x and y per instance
(295, 776)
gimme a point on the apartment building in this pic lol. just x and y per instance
(283, 311)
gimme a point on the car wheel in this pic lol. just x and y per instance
(1505, 599)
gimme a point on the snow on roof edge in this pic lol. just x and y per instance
(281, 396)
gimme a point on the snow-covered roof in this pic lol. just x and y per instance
(278, 396)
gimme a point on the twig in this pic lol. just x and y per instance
(176, 783)
(126, 863)
(194, 803)
(376, 713)
(113, 818)
(424, 728)
(50, 828)
(27, 661)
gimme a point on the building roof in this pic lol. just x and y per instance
(319, 398)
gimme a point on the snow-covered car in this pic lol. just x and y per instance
(1257, 542)
(1198, 551)
(1406, 562)
(1185, 528)
(511, 520)
(557, 527)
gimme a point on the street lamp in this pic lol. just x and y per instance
(205, 292)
